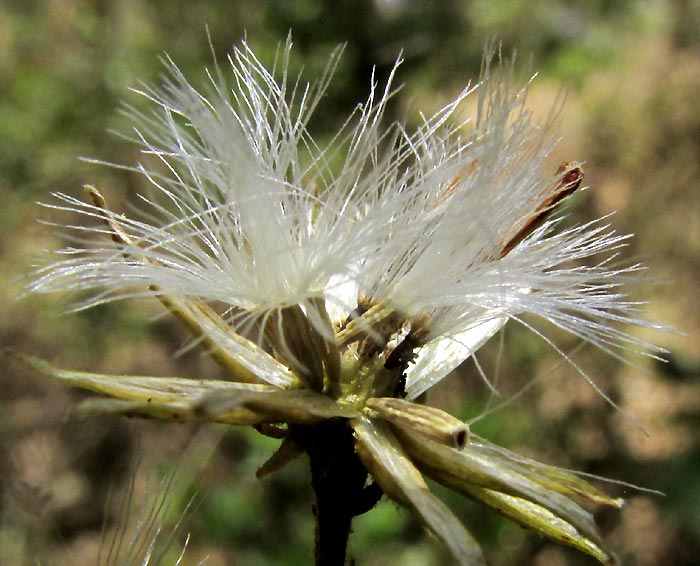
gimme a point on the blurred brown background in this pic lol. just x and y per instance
(632, 70)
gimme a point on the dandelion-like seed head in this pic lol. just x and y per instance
(337, 282)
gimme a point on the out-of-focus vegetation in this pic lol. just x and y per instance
(633, 73)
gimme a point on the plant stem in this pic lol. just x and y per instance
(338, 479)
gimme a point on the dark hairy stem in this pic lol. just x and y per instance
(338, 479)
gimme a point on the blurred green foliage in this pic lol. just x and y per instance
(633, 68)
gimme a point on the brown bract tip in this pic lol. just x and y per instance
(570, 176)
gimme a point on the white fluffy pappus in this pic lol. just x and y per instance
(446, 226)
